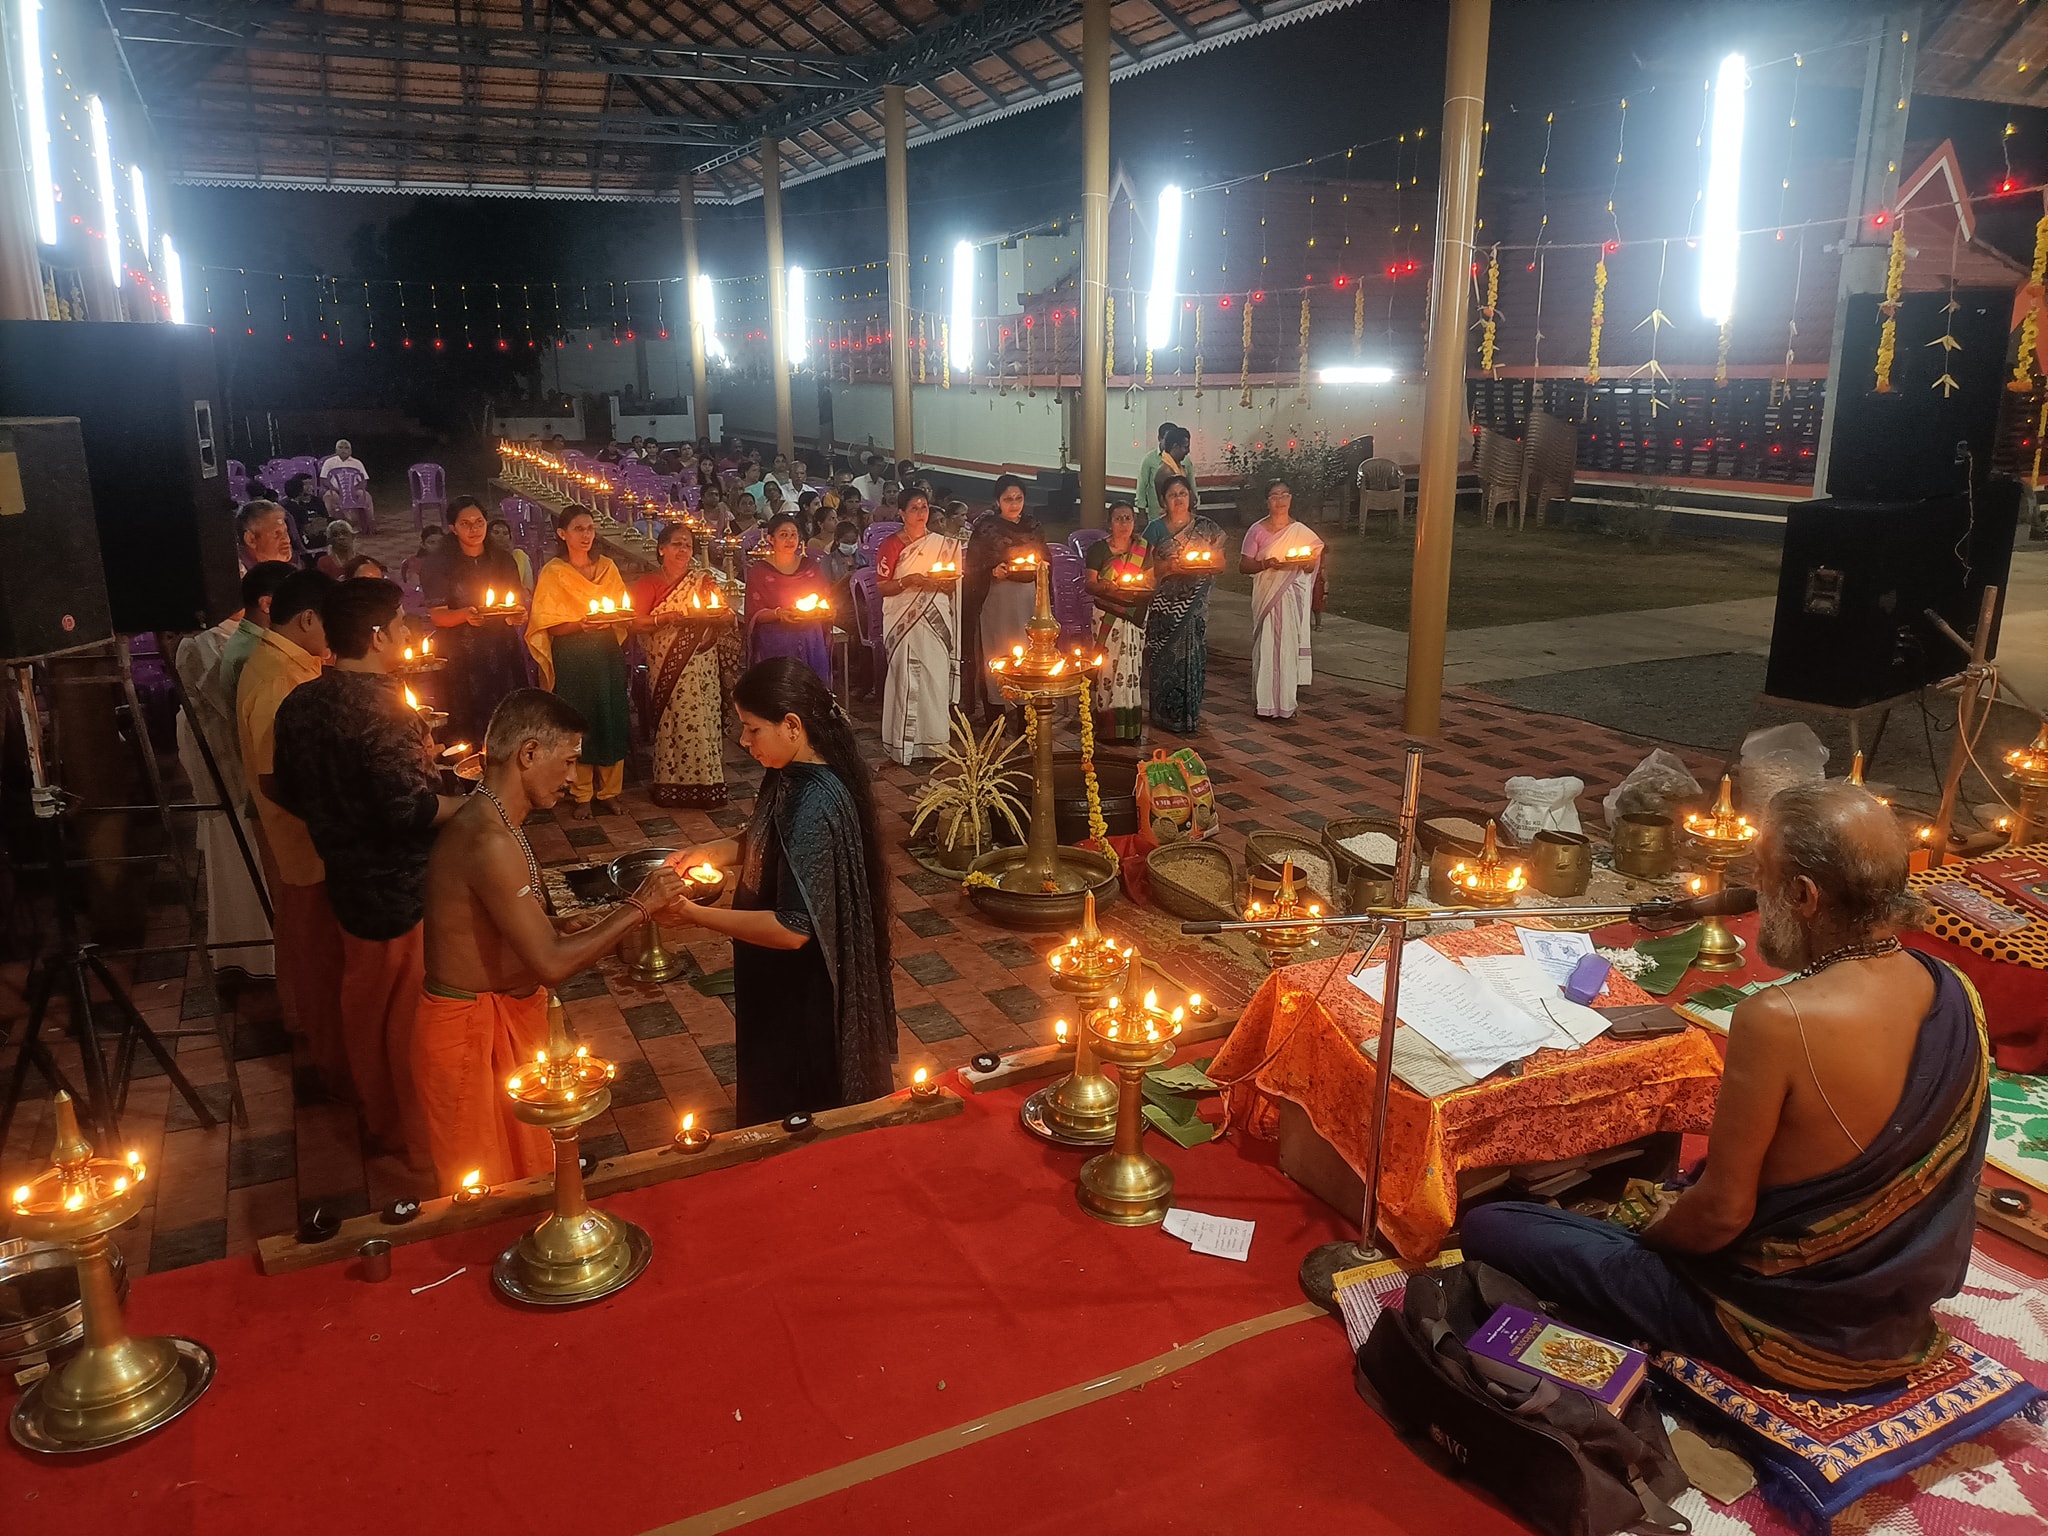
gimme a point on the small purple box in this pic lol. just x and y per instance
(1587, 979)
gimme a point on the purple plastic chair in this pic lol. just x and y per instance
(871, 540)
(1070, 601)
(751, 537)
(867, 620)
(352, 498)
(429, 489)
(1085, 539)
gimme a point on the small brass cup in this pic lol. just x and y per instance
(1643, 846)
(1560, 863)
(1370, 886)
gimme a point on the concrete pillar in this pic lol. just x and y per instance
(778, 293)
(1444, 417)
(895, 135)
(1091, 434)
(21, 272)
(700, 394)
(1873, 184)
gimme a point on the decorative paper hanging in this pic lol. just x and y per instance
(2023, 377)
(1301, 389)
(1109, 339)
(920, 348)
(1599, 319)
(1357, 319)
(1894, 287)
(1244, 376)
(946, 351)
(1198, 351)
(1947, 339)
(1721, 354)
(1489, 312)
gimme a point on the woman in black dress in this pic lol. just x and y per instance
(815, 1013)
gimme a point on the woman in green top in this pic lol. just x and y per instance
(578, 624)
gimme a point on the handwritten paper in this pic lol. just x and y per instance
(1524, 982)
(1421, 1065)
(1222, 1237)
(1455, 1011)
(1557, 953)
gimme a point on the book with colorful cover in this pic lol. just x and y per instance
(1605, 1371)
(2017, 876)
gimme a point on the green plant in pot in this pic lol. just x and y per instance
(970, 788)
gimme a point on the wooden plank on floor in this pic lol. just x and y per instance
(2029, 1231)
(283, 1254)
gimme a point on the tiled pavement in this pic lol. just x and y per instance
(962, 984)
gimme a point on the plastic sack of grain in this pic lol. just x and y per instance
(1778, 757)
(1541, 805)
(1653, 787)
(1166, 811)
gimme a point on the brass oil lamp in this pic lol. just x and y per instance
(2028, 767)
(1281, 944)
(577, 1253)
(117, 1387)
(1126, 1185)
(1080, 1109)
(1489, 880)
(1716, 839)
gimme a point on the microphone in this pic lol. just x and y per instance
(1730, 902)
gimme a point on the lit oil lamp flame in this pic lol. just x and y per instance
(1059, 1033)
(706, 874)
(689, 1124)
(810, 602)
(23, 1193)
(473, 1186)
(1151, 1000)
(412, 700)
(408, 653)
(490, 597)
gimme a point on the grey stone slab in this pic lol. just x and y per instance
(931, 1022)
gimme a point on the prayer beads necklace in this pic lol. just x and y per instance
(532, 864)
(1868, 951)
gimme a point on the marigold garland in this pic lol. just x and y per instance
(1489, 312)
(1148, 365)
(946, 350)
(1721, 356)
(1599, 319)
(1098, 826)
(1244, 376)
(2030, 328)
(1301, 390)
(1894, 287)
(1109, 339)
(1357, 319)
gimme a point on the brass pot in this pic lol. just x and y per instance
(1369, 886)
(1448, 851)
(1560, 863)
(1643, 846)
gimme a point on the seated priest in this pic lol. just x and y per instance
(1836, 1205)
(492, 950)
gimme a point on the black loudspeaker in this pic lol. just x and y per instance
(1902, 446)
(1857, 579)
(53, 594)
(145, 396)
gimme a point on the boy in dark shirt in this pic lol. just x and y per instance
(356, 764)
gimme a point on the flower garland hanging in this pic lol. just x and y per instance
(1301, 389)
(1198, 351)
(1109, 339)
(1721, 354)
(1357, 319)
(1599, 319)
(946, 351)
(1894, 288)
(1098, 827)
(1244, 374)
(2030, 328)
(1489, 312)
(922, 345)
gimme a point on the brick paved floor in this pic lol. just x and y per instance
(962, 984)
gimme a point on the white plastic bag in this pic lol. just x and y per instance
(1541, 805)
(1653, 787)
(1778, 757)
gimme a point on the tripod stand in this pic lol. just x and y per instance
(69, 967)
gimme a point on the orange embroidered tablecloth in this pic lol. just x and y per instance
(1564, 1103)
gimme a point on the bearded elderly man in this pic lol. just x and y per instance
(1837, 1201)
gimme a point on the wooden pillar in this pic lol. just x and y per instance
(1091, 434)
(896, 138)
(700, 392)
(778, 293)
(1445, 420)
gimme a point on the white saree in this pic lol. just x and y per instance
(1281, 658)
(922, 631)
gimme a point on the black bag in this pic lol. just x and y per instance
(1558, 1460)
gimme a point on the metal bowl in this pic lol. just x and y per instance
(629, 869)
(39, 1312)
(1030, 909)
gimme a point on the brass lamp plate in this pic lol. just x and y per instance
(1032, 1114)
(511, 1284)
(195, 1362)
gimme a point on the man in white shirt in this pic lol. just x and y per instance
(344, 457)
(869, 486)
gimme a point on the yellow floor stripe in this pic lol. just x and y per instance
(882, 1463)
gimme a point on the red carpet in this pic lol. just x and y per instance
(800, 1313)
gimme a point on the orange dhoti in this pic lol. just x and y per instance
(463, 1050)
(309, 966)
(380, 992)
